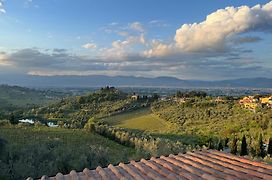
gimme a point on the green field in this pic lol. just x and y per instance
(142, 119)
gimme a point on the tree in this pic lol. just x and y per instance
(12, 119)
(226, 143)
(244, 150)
(233, 148)
(179, 94)
(260, 147)
(220, 146)
(3, 143)
(269, 150)
(210, 145)
(155, 96)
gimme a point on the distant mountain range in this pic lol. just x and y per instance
(131, 81)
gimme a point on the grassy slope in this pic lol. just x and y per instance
(142, 119)
(70, 139)
(71, 146)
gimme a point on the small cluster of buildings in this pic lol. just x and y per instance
(252, 102)
(136, 97)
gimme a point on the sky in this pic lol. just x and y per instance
(187, 39)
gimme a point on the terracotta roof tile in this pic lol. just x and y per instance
(160, 169)
(229, 173)
(111, 174)
(236, 167)
(186, 164)
(244, 165)
(88, 174)
(133, 171)
(182, 172)
(207, 164)
(102, 173)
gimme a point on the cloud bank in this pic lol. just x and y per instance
(212, 49)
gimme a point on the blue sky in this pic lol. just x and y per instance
(141, 38)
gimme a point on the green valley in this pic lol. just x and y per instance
(109, 126)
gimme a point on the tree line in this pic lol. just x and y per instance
(247, 147)
(152, 146)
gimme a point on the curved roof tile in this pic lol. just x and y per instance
(206, 164)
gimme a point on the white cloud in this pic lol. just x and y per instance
(30, 3)
(121, 49)
(2, 9)
(158, 23)
(158, 49)
(213, 33)
(113, 24)
(89, 46)
(137, 26)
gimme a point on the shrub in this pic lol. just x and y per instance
(4, 123)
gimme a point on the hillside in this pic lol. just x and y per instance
(203, 117)
(35, 151)
(108, 126)
(22, 97)
(76, 111)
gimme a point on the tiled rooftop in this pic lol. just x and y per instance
(206, 164)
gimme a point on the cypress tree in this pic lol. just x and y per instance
(233, 148)
(269, 150)
(260, 148)
(244, 150)
(226, 143)
(210, 145)
(220, 146)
